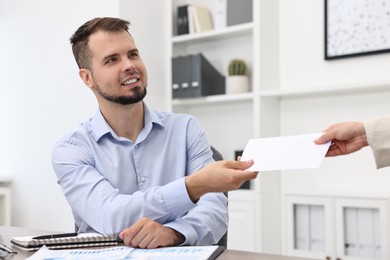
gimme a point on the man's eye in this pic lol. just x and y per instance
(111, 60)
(134, 54)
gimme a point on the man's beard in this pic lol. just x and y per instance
(138, 95)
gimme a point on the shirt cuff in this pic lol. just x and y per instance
(176, 197)
(190, 235)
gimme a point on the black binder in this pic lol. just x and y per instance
(205, 80)
(180, 76)
(194, 76)
(182, 20)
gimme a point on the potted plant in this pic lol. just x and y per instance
(237, 80)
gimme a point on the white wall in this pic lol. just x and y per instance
(302, 51)
(302, 65)
(42, 97)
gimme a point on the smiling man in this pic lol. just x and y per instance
(146, 175)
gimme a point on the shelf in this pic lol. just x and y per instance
(329, 90)
(228, 32)
(287, 93)
(213, 99)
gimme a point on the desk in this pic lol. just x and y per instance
(8, 232)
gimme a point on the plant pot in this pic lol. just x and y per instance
(237, 84)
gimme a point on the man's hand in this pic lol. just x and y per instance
(146, 233)
(220, 176)
(346, 138)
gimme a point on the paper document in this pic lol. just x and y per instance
(129, 253)
(78, 254)
(285, 153)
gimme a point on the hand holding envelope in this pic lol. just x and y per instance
(285, 153)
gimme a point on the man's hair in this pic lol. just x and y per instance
(79, 40)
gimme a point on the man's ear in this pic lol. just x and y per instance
(86, 76)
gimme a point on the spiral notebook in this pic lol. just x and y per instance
(80, 240)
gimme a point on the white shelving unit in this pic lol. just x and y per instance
(312, 91)
(280, 103)
(337, 226)
(236, 115)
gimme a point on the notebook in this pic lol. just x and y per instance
(79, 241)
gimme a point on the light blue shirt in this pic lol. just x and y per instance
(111, 182)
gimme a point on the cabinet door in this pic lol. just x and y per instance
(361, 228)
(242, 226)
(309, 226)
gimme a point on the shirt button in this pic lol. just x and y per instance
(143, 179)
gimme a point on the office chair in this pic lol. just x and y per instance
(217, 156)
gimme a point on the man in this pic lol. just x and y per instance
(144, 174)
(349, 137)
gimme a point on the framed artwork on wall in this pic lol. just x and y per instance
(356, 27)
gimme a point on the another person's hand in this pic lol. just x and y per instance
(146, 233)
(220, 176)
(347, 137)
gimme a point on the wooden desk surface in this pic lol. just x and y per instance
(8, 232)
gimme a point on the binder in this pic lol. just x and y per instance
(205, 80)
(182, 20)
(220, 14)
(239, 12)
(201, 18)
(194, 76)
(180, 76)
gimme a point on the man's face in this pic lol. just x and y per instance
(118, 72)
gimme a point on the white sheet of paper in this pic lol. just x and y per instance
(285, 153)
(126, 253)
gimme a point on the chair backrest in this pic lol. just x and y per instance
(217, 156)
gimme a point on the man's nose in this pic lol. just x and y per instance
(129, 66)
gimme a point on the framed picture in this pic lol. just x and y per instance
(356, 27)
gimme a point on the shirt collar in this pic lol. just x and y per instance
(100, 127)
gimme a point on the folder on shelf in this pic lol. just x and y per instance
(205, 79)
(200, 18)
(220, 14)
(180, 76)
(239, 12)
(182, 20)
(195, 76)
(81, 240)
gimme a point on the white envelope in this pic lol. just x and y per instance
(285, 153)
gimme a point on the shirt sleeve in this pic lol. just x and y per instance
(206, 223)
(378, 137)
(97, 204)
(102, 199)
